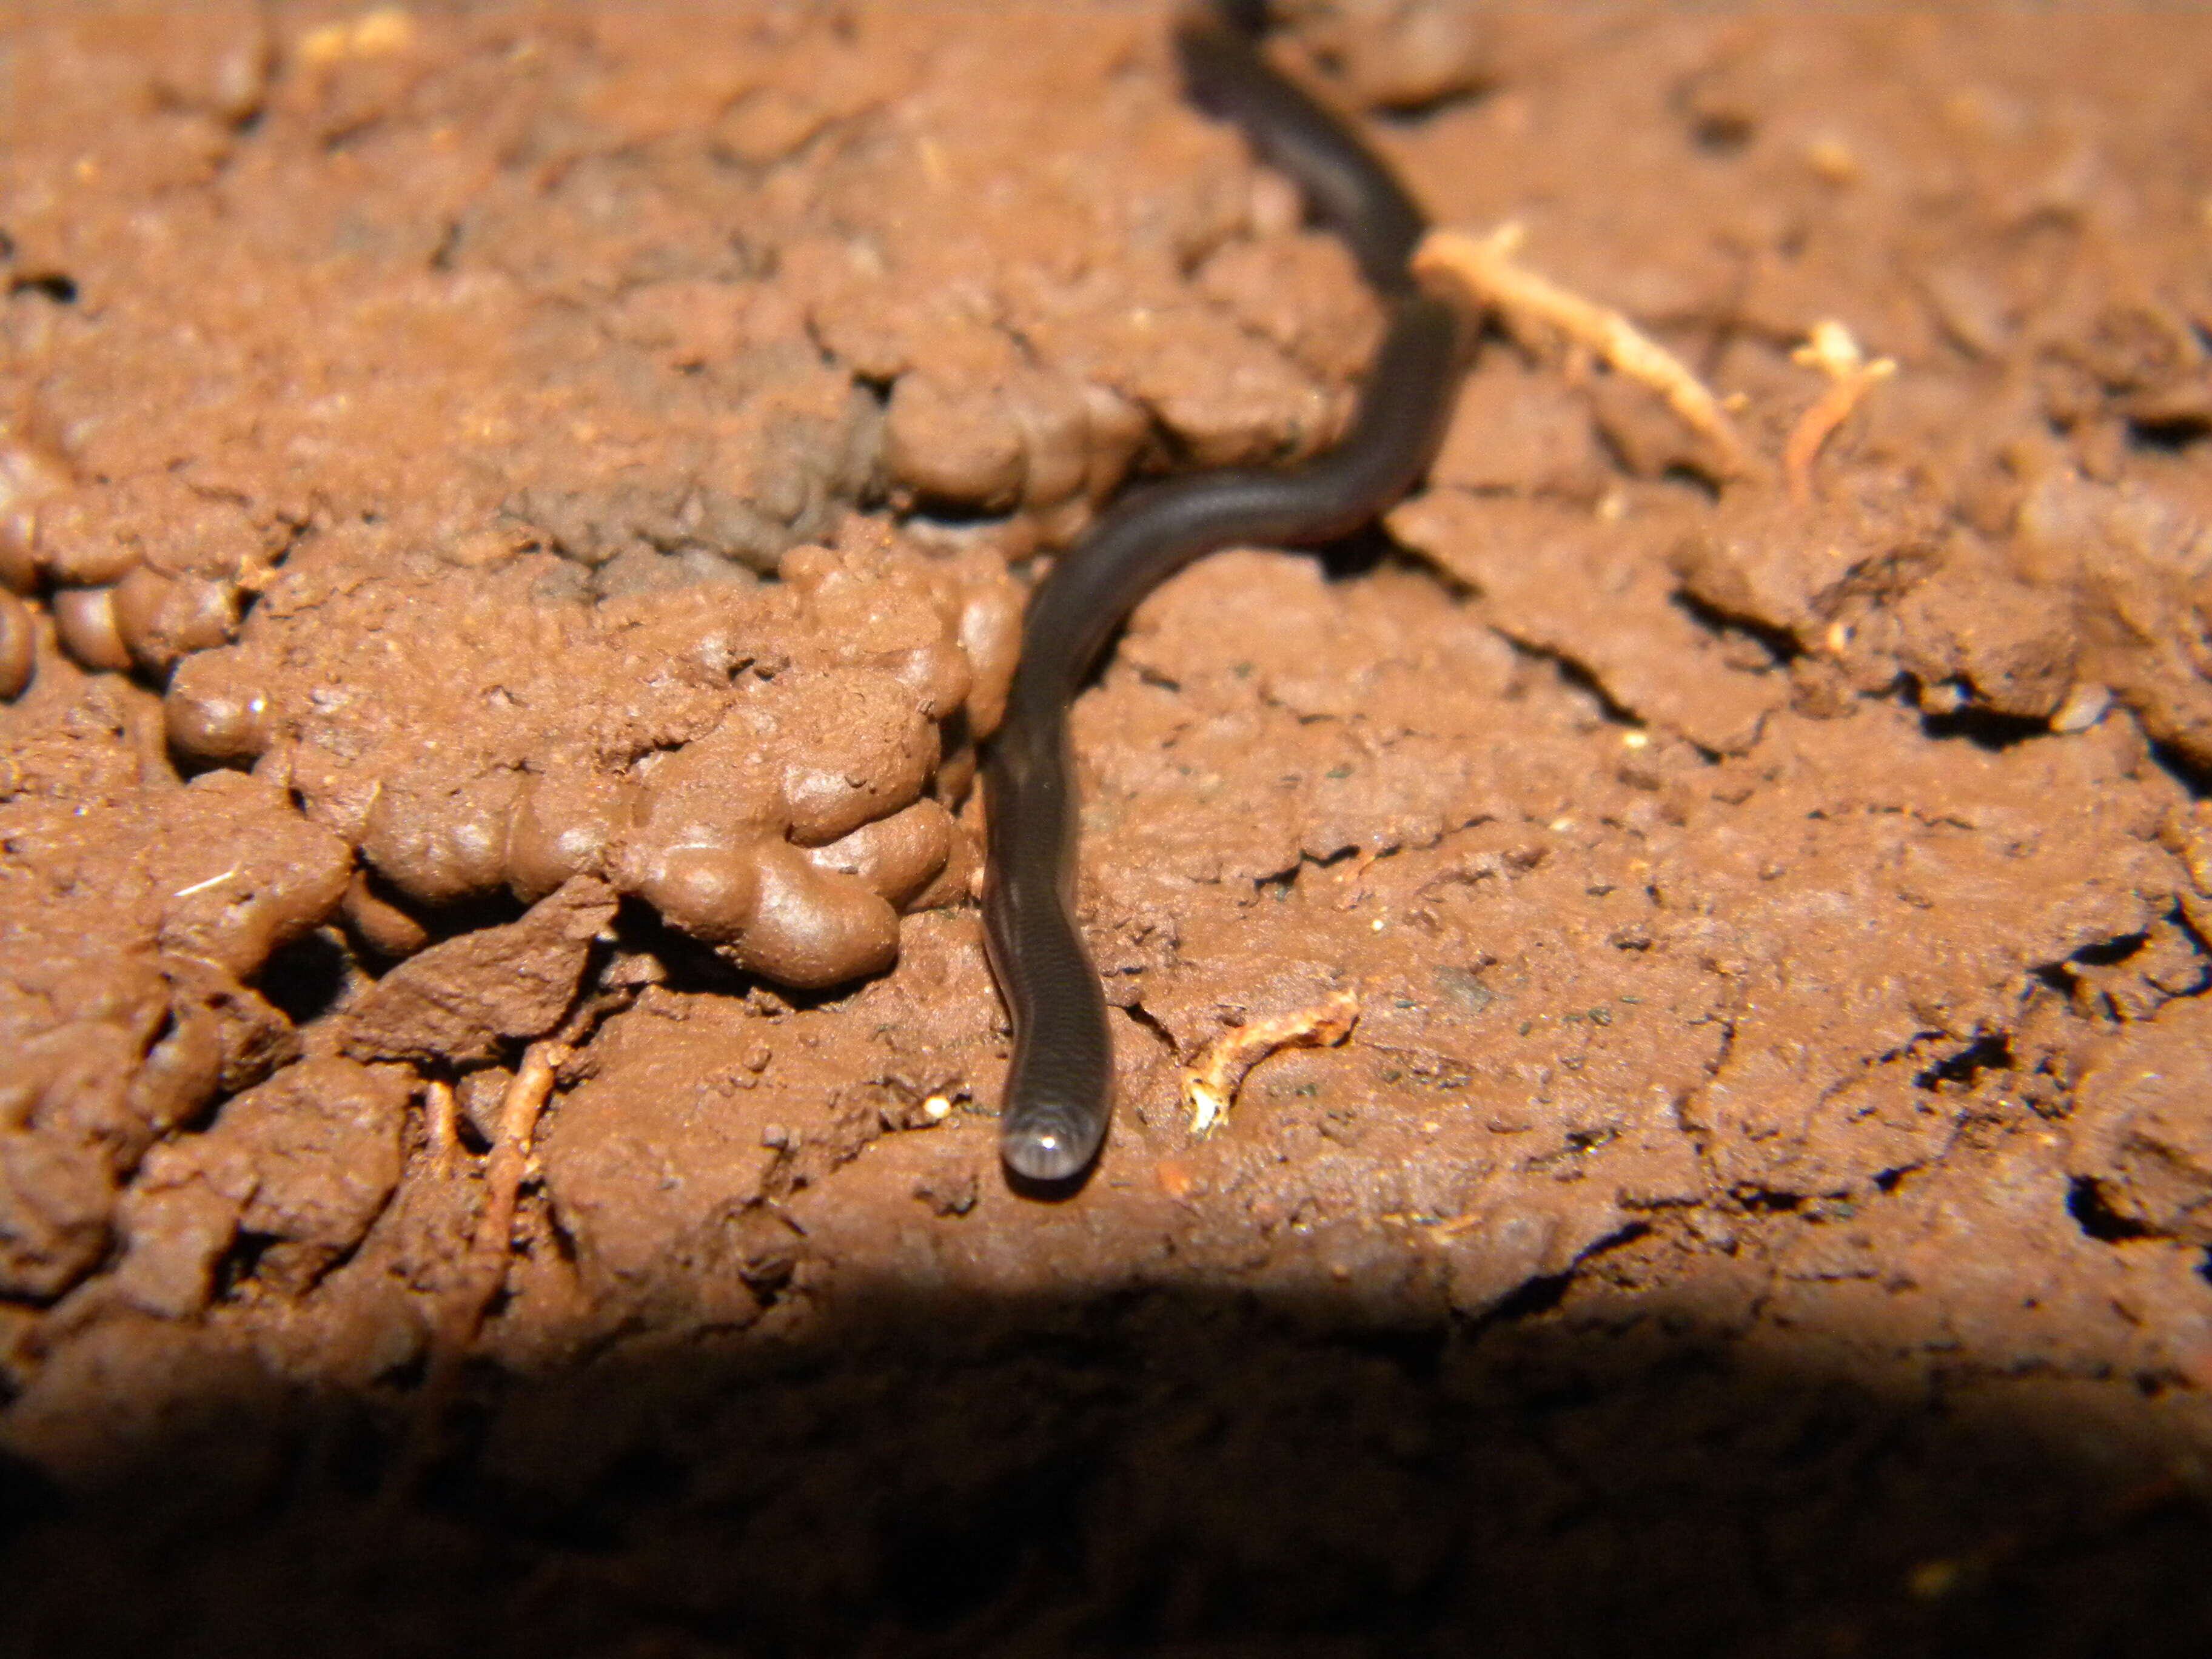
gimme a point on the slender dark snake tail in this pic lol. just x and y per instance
(1058, 1094)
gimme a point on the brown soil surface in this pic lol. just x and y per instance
(513, 519)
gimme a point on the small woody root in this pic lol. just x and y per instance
(1830, 349)
(461, 1315)
(458, 1315)
(1210, 1082)
(1487, 271)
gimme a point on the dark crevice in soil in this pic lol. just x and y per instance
(1544, 1294)
(1991, 1053)
(2106, 953)
(1537, 1296)
(790, 999)
(948, 517)
(1364, 552)
(1701, 484)
(1779, 643)
(304, 980)
(2191, 774)
(2086, 1203)
(1147, 1020)
(238, 1263)
(2169, 434)
(690, 964)
(1280, 884)
(1984, 729)
(2056, 976)
(53, 285)
(445, 921)
(1163, 454)
(1577, 675)
(189, 767)
(1412, 114)
(1722, 134)
(446, 254)
(1761, 1201)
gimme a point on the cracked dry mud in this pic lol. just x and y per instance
(513, 521)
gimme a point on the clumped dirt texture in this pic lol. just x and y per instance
(513, 527)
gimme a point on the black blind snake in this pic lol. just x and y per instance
(1059, 1092)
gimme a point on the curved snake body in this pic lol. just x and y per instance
(1059, 1090)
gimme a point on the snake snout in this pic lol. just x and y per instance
(1050, 1143)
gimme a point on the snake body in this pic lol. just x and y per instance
(1058, 1094)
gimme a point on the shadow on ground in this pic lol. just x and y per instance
(1158, 1472)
